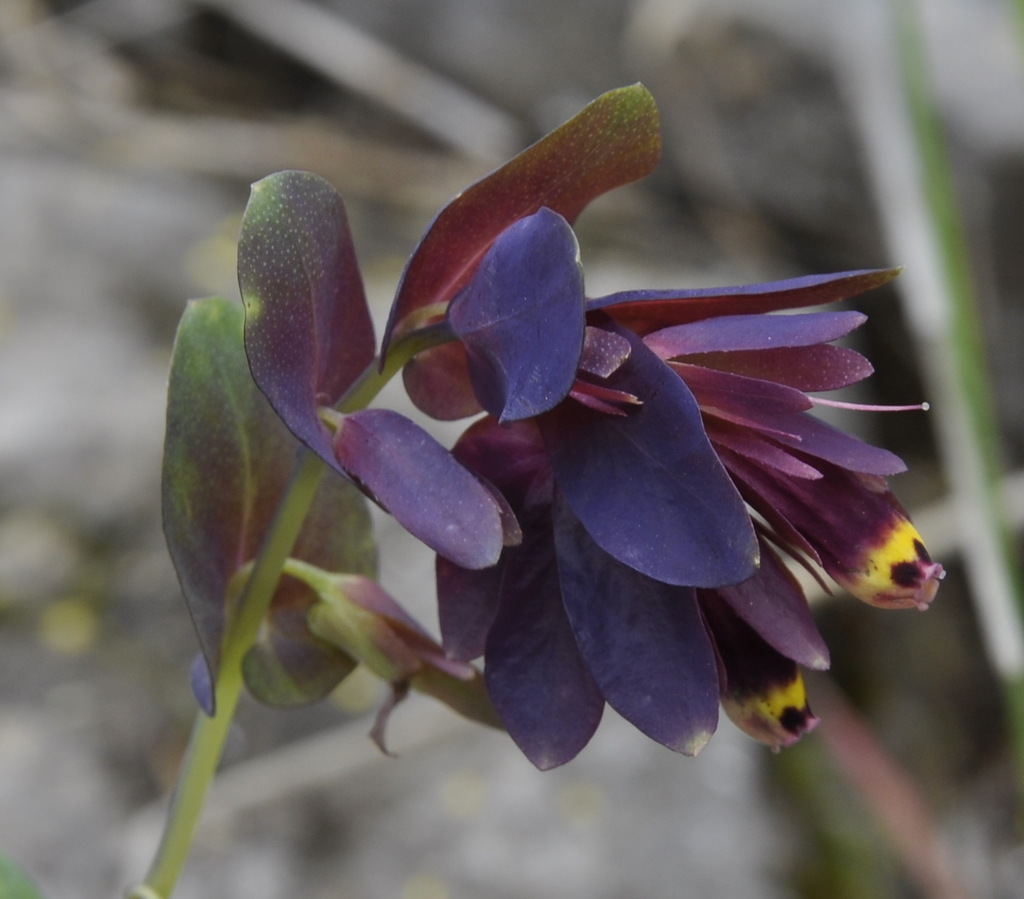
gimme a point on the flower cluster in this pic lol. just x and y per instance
(643, 579)
(614, 528)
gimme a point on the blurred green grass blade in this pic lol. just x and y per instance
(978, 439)
(14, 883)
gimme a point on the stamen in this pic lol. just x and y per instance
(868, 407)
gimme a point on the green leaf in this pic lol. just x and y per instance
(14, 883)
(227, 462)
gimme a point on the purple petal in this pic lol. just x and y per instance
(644, 311)
(773, 604)
(512, 457)
(648, 485)
(644, 641)
(612, 141)
(437, 381)
(757, 484)
(419, 482)
(308, 331)
(521, 318)
(752, 332)
(202, 684)
(739, 394)
(810, 368)
(817, 438)
(537, 680)
(751, 444)
(467, 602)
(603, 352)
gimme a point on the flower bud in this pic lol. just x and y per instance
(896, 572)
(777, 714)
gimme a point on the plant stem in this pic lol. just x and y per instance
(209, 733)
(206, 743)
(366, 387)
(970, 426)
(1018, 9)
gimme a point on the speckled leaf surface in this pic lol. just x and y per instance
(308, 332)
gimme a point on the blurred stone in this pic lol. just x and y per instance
(465, 815)
(95, 265)
(39, 560)
(58, 810)
(92, 276)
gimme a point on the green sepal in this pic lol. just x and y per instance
(359, 617)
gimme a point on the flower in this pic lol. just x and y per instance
(822, 491)
(657, 450)
(359, 618)
(643, 579)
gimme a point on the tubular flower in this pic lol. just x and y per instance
(642, 579)
(656, 449)
(821, 491)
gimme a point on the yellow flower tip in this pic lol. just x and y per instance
(777, 717)
(897, 573)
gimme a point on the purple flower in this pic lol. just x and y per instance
(657, 450)
(643, 579)
(613, 529)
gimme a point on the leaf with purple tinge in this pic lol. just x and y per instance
(227, 461)
(644, 311)
(308, 331)
(422, 485)
(644, 641)
(648, 486)
(536, 678)
(288, 665)
(773, 604)
(612, 141)
(521, 318)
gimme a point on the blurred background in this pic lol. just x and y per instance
(130, 131)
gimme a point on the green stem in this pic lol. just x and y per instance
(1018, 9)
(973, 438)
(209, 733)
(372, 381)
